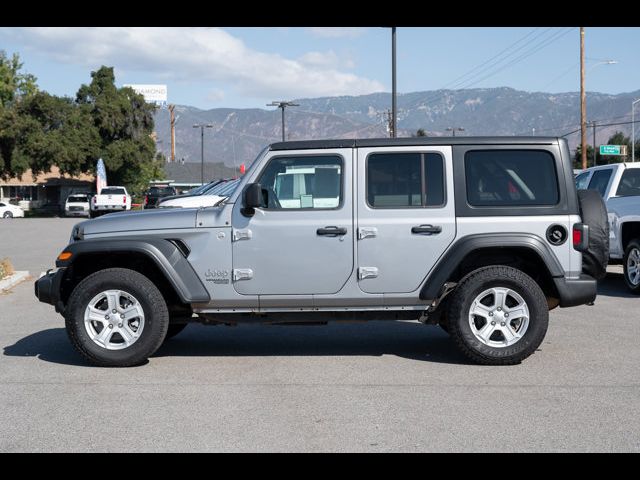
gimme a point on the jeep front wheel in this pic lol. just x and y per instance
(498, 315)
(116, 318)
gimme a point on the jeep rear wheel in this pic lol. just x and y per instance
(498, 315)
(631, 264)
(116, 318)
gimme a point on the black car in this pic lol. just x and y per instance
(154, 194)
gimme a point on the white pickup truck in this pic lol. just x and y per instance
(110, 199)
(619, 185)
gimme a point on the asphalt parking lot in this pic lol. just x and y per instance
(382, 386)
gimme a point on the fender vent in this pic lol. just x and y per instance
(180, 245)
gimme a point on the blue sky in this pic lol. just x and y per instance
(248, 67)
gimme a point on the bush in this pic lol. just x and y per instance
(6, 268)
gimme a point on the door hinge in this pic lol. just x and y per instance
(367, 272)
(241, 234)
(242, 274)
(364, 232)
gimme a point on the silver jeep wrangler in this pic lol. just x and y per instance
(482, 236)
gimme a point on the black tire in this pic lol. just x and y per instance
(153, 305)
(445, 327)
(593, 212)
(7, 215)
(473, 285)
(175, 329)
(634, 245)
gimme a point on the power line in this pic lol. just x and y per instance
(603, 125)
(531, 51)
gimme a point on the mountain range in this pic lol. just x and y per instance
(237, 135)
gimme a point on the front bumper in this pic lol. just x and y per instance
(47, 289)
(578, 291)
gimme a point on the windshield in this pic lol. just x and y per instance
(78, 198)
(112, 191)
(202, 188)
(161, 191)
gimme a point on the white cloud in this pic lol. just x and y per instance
(328, 60)
(337, 32)
(215, 95)
(196, 54)
(320, 59)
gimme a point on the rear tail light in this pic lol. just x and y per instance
(146, 199)
(124, 199)
(580, 237)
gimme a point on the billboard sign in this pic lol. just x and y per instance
(152, 93)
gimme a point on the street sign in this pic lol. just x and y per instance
(613, 149)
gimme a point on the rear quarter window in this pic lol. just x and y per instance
(511, 178)
(629, 183)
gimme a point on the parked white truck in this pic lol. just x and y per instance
(109, 200)
(619, 185)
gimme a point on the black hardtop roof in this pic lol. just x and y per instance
(411, 141)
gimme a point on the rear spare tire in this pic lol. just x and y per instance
(594, 214)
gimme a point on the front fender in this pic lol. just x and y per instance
(164, 254)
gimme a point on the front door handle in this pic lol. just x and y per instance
(427, 229)
(332, 231)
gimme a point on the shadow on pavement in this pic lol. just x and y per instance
(404, 339)
(51, 345)
(613, 285)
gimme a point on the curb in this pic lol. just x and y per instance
(13, 280)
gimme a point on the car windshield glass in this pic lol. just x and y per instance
(77, 198)
(161, 191)
(224, 189)
(112, 191)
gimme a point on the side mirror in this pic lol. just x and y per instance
(252, 199)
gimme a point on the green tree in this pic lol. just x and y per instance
(14, 84)
(124, 122)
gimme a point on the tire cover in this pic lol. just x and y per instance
(594, 213)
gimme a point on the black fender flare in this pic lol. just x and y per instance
(163, 253)
(466, 245)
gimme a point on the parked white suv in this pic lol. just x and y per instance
(77, 205)
(209, 197)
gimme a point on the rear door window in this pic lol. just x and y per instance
(511, 178)
(600, 180)
(401, 180)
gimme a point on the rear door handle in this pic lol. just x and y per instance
(332, 231)
(427, 229)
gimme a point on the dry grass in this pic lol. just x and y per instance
(6, 268)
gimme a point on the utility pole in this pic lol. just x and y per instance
(387, 117)
(583, 104)
(633, 131)
(594, 142)
(282, 105)
(394, 109)
(173, 132)
(202, 126)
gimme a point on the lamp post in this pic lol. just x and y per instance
(394, 93)
(282, 105)
(202, 126)
(633, 131)
(454, 129)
